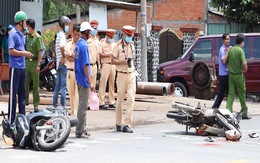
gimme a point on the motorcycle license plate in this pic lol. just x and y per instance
(53, 71)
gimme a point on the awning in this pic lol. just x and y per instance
(110, 4)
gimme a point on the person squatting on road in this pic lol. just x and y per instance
(123, 58)
(222, 70)
(71, 79)
(33, 65)
(83, 78)
(60, 44)
(108, 71)
(237, 65)
(17, 56)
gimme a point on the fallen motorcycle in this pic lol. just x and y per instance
(207, 121)
(45, 130)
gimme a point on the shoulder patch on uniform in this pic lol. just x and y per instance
(37, 35)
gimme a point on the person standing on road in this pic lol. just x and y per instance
(83, 78)
(61, 67)
(4, 46)
(33, 65)
(108, 71)
(123, 58)
(17, 52)
(237, 65)
(222, 70)
(71, 79)
(93, 56)
(5, 54)
(52, 50)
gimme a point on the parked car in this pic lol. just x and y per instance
(206, 49)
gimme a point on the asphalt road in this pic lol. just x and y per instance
(155, 143)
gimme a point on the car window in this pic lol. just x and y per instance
(256, 47)
(203, 50)
(247, 48)
(233, 43)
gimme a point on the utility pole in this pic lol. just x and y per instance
(78, 14)
(143, 41)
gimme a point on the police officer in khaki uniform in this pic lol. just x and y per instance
(108, 71)
(71, 79)
(93, 45)
(123, 58)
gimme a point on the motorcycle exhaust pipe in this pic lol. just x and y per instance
(43, 127)
(183, 107)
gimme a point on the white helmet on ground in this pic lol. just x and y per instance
(233, 135)
(85, 26)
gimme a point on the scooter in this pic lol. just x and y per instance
(206, 121)
(48, 73)
(45, 130)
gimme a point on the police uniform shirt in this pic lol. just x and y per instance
(122, 51)
(34, 44)
(70, 48)
(106, 48)
(93, 50)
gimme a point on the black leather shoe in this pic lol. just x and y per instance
(127, 129)
(119, 128)
(246, 117)
(104, 107)
(36, 109)
(112, 106)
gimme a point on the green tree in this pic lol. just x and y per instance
(53, 9)
(241, 11)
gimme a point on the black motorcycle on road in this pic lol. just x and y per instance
(45, 130)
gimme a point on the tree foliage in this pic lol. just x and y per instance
(242, 11)
(53, 9)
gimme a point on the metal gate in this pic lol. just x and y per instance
(171, 47)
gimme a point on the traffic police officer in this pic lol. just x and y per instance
(71, 79)
(108, 71)
(123, 58)
(93, 55)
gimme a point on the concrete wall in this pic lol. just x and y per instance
(33, 11)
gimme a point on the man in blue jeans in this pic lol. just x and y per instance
(61, 67)
(222, 70)
(16, 46)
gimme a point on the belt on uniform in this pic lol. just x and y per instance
(107, 63)
(124, 72)
(92, 64)
(70, 69)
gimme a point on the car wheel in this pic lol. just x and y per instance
(180, 90)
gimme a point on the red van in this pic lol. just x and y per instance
(206, 49)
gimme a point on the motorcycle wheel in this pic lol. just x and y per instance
(51, 139)
(177, 116)
(224, 122)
